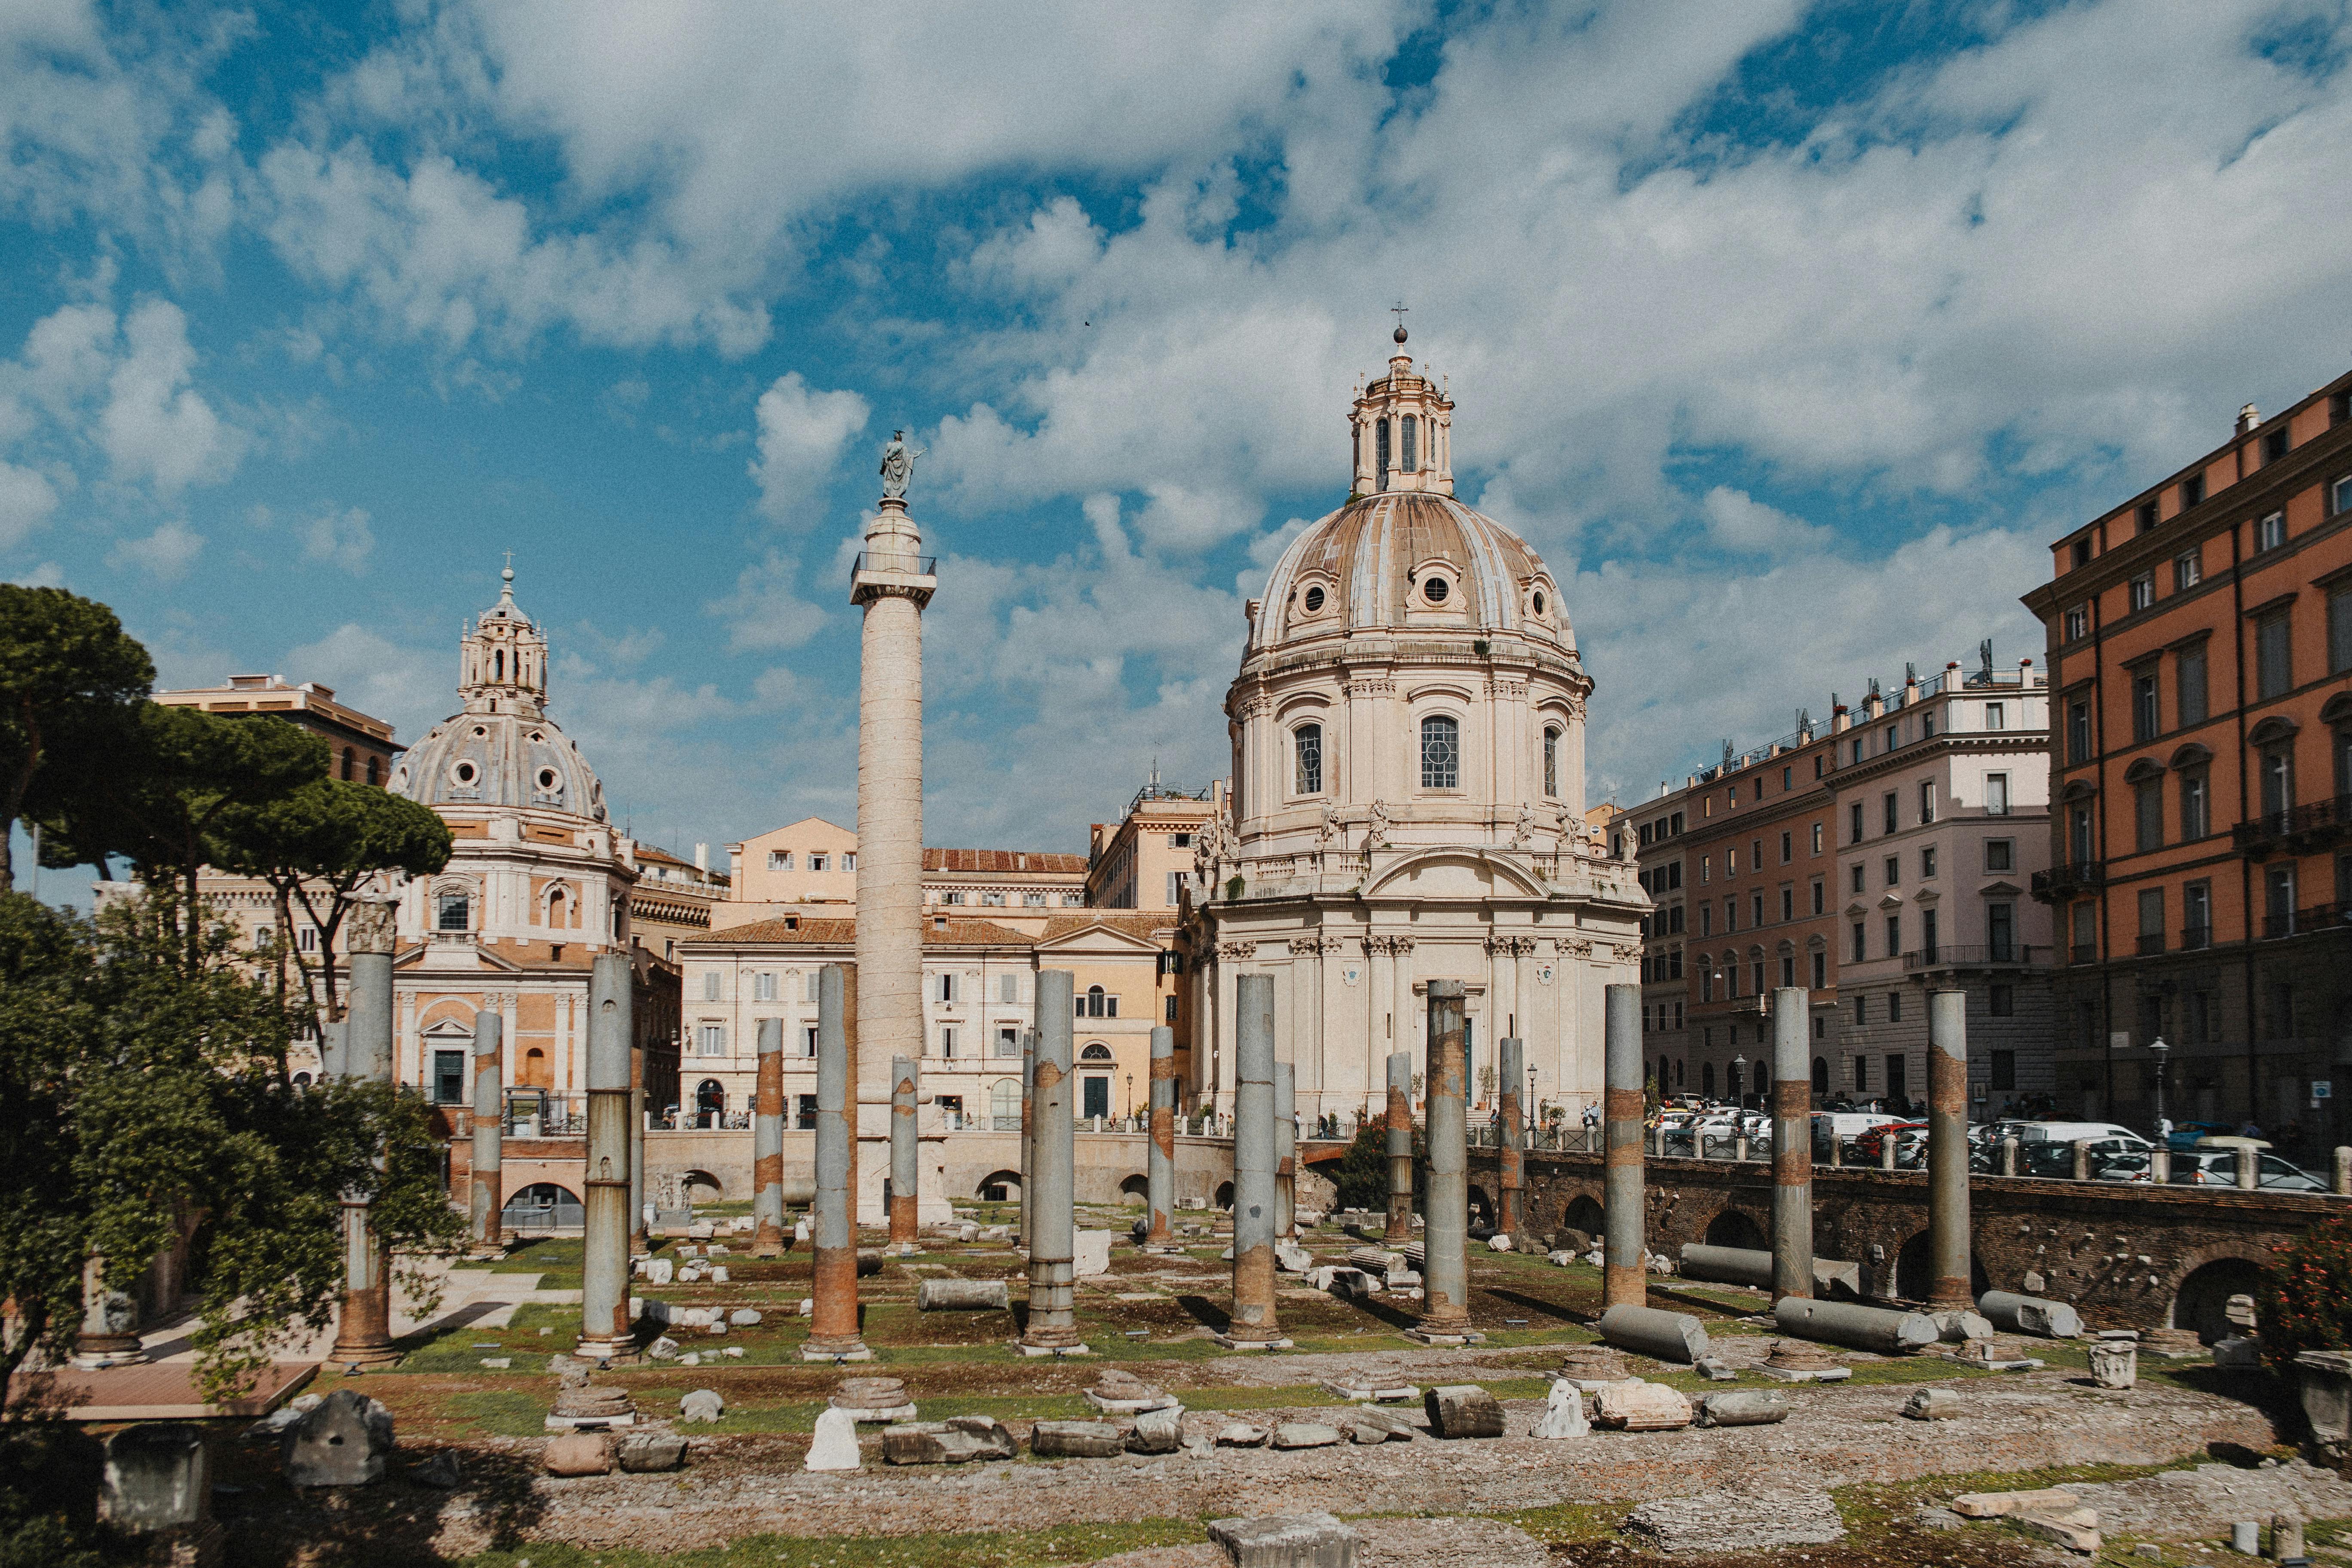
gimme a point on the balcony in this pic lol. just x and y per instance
(2084, 952)
(893, 560)
(2059, 881)
(2196, 939)
(2303, 923)
(2150, 943)
(2302, 830)
(1992, 955)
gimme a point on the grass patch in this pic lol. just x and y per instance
(1064, 1543)
(503, 1412)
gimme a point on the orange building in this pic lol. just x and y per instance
(2201, 649)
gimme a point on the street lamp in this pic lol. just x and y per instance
(2158, 1050)
(1528, 1120)
(1739, 1077)
(1130, 1097)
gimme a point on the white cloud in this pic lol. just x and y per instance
(765, 614)
(413, 687)
(27, 500)
(801, 434)
(167, 553)
(1744, 525)
(342, 538)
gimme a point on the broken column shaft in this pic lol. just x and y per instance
(1400, 1148)
(768, 1144)
(1510, 1158)
(1256, 1162)
(1159, 1163)
(487, 1197)
(1793, 1146)
(363, 1333)
(604, 1332)
(1286, 1151)
(833, 1239)
(1446, 1227)
(1053, 1323)
(1622, 1283)
(906, 1157)
(1947, 1149)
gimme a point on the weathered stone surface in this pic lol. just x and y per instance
(660, 1271)
(1463, 1410)
(1932, 1405)
(1121, 1393)
(1305, 1434)
(643, 1453)
(156, 1478)
(1292, 1259)
(1090, 1253)
(579, 1454)
(1997, 1505)
(1287, 1541)
(1241, 1435)
(1592, 1367)
(342, 1441)
(2237, 1354)
(744, 1317)
(1364, 1390)
(2069, 1533)
(2115, 1363)
(1159, 1431)
(955, 1442)
(1636, 1406)
(702, 1405)
(1563, 1413)
(835, 1447)
(664, 1348)
(1398, 1428)
(1721, 1521)
(1713, 1369)
(1745, 1407)
(1076, 1440)
(963, 1296)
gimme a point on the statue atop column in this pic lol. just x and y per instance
(897, 466)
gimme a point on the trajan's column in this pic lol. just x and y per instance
(892, 583)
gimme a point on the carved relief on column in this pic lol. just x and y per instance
(1511, 946)
(1572, 946)
(1237, 952)
(1392, 946)
(1626, 951)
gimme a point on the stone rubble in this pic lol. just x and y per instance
(1721, 1521)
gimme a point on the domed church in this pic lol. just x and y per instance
(1408, 794)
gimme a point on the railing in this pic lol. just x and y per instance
(2196, 939)
(2150, 942)
(1979, 956)
(2302, 923)
(893, 560)
(2084, 952)
(2321, 822)
(2066, 878)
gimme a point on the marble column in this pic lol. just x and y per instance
(363, 1332)
(605, 1328)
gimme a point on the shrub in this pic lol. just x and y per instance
(2305, 1300)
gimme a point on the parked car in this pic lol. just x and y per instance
(2076, 1131)
(2185, 1134)
(1867, 1145)
(1843, 1127)
(2218, 1168)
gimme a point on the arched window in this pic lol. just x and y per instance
(1707, 1079)
(1406, 455)
(1096, 1002)
(1004, 1105)
(1380, 451)
(498, 665)
(559, 909)
(709, 1101)
(1552, 761)
(374, 774)
(1307, 744)
(351, 764)
(1096, 1052)
(1441, 753)
(1820, 1075)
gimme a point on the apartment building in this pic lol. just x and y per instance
(1145, 859)
(1867, 860)
(810, 867)
(2201, 643)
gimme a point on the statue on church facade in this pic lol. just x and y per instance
(897, 466)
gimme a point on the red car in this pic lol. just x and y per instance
(1867, 1146)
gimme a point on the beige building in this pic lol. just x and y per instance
(1144, 860)
(1408, 793)
(811, 867)
(363, 749)
(672, 898)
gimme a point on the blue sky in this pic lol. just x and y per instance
(1789, 335)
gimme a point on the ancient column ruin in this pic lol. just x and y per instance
(487, 1198)
(1053, 1327)
(1510, 1138)
(363, 1332)
(1256, 1162)
(605, 1332)
(1446, 1227)
(1792, 1144)
(1400, 1148)
(768, 1144)
(1623, 1280)
(1947, 1149)
(833, 1237)
(1159, 1171)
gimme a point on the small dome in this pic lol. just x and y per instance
(499, 758)
(1408, 559)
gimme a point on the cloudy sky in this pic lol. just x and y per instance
(1789, 335)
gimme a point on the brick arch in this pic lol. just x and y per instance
(2255, 1255)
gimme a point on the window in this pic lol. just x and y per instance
(1855, 870)
(1406, 454)
(1730, 864)
(1170, 1019)
(2151, 920)
(1175, 890)
(1893, 1014)
(1307, 752)
(710, 986)
(1072, 900)
(2080, 554)
(2273, 672)
(953, 896)
(1434, 588)
(779, 860)
(2274, 446)
(1037, 900)
(2001, 930)
(2078, 623)
(1855, 823)
(817, 862)
(1861, 1018)
(2188, 570)
(2147, 723)
(1894, 936)
(2147, 516)
(2197, 914)
(2339, 496)
(2004, 1063)
(1996, 715)
(2078, 836)
(763, 986)
(2001, 854)
(849, 860)
(306, 939)
(946, 988)
(1861, 1063)
(2196, 812)
(991, 900)
(1817, 831)
(2188, 685)
(947, 1040)
(2279, 900)
(2193, 491)
(2078, 732)
(1886, 812)
(1551, 763)
(1859, 955)
(448, 1073)
(2147, 814)
(1008, 1041)
(2141, 591)
(2339, 630)
(452, 911)
(1894, 868)
(807, 1118)
(809, 988)
(2277, 779)
(710, 1040)
(1441, 753)
(1927, 862)
(1707, 867)
(2271, 532)
(1787, 847)
(1788, 779)
(1756, 908)
(1787, 906)
(1820, 896)
(1926, 802)
(1996, 794)
(1730, 915)
(1707, 919)
(1821, 971)
(1706, 978)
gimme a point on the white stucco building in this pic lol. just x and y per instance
(1408, 793)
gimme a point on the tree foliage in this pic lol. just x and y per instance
(66, 666)
(140, 1101)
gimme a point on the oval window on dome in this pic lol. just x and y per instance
(548, 781)
(1539, 602)
(1435, 589)
(465, 773)
(1313, 601)
(479, 731)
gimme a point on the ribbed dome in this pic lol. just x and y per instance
(500, 759)
(1408, 559)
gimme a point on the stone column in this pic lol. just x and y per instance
(1400, 1145)
(1445, 1230)
(109, 1335)
(1053, 1328)
(833, 1239)
(641, 1225)
(1028, 1139)
(1947, 1149)
(906, 1176)
(768, 1144)
(489, 1195)
(1510, 1157)
(363, 1333)
(1792, 1144)
(1623, 1282)
(891, 584)
(1256, 1163)
(1285, 1151)
(604, 1332)
(1161, 1161)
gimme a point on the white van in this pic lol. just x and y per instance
(2076, 1132)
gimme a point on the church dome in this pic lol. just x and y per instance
(502, 750)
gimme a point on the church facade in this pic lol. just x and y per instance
(1408, 794)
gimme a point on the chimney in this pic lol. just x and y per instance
(702, 859)
(2248, 418)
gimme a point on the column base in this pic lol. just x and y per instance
(903, 1249)
(364, 1357)
(614, 1352)
(1024, 1347)
(98, 1358)
(835, 1350)
(1230, 1343)
(1445, 1336)
(1163, 1248)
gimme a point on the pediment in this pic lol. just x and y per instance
(1096, 939)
